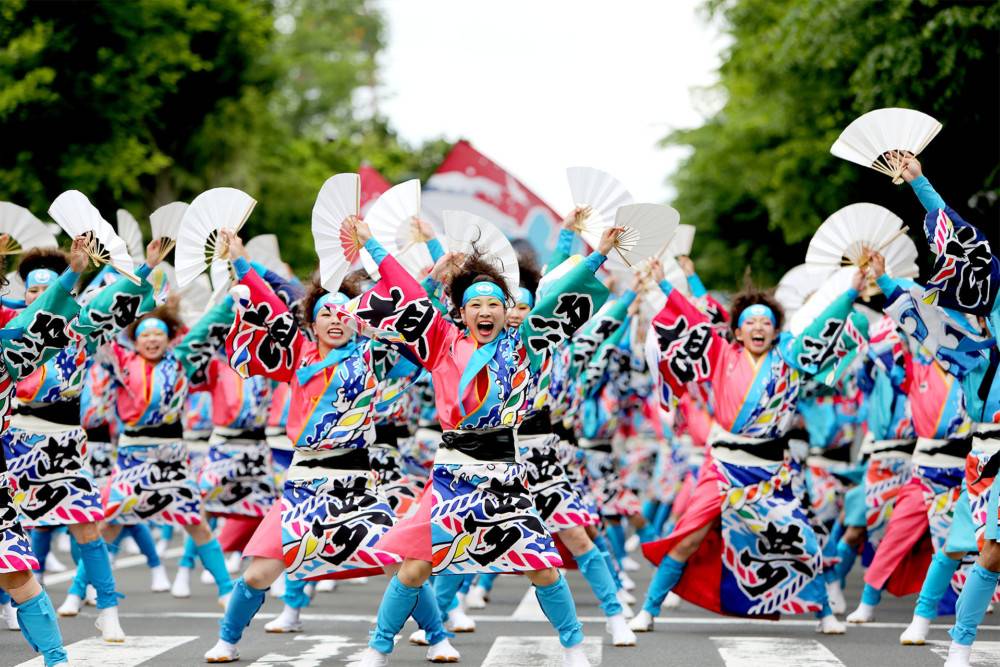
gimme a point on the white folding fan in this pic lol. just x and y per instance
(883, 138)
(466, 232)
(649, 229)
(680, 245)
(23, 230)
(166, 225)
(797, 285)
(195, 298)
(198, 243)
(264, 248)
(832, 288)
(601, 195)
(393, 221)
(131, 233)
(847, 235)
(78, 217)
(339, 198)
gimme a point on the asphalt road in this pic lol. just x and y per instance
(167, 632)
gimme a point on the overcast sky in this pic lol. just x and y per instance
(541, 85)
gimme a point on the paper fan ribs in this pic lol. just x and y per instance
(166, 224)
(600, 195)
(23, 230)
(338, 249)
(199, 242)
(849, 234)
(884, 138)
(649, 229)
(393, 219)
(78, 217)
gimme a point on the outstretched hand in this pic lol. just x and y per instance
(447, 266)
(153, 256)
(233, 242)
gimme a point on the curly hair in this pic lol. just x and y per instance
(168, 313)
(42, 258)
(476, 268)
(749, 296)
(529, 273)
(351, 287)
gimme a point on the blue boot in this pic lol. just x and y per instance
(40, 627)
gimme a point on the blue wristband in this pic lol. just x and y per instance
(242, 267)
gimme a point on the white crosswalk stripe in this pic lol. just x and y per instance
(322, 648)
(536, 651)
(984, 654)
(135, 651)
(774, 652)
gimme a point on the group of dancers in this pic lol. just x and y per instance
(444, 429)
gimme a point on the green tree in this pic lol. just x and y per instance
(760, 177)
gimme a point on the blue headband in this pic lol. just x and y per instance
(151, 323)
(526, 297)
(756, 310)
(40, 277)
(483, 288)
(328, 299)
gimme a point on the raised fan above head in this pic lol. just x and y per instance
(833, 287)
(166, 225)
(649, 229)
(198, 243)
(798, 285)
(882, 139)
(131, 233)
(393, 219)
(264, 248)
(680, 245)
(338, 249)
(468, 233)
(600, 194)
(847, 236)
(78, 217)
(24, 230)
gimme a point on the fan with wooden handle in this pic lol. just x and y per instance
(884, 138)
(200, 243)
(78, 217)
(393, 220)
(166, 225)
(338, 249)
(600, 195)
(850, 234)
(24, 231)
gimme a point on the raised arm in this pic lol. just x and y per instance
(689, 346)
(43, 328)
(119, 304)
(265, 337)
(199, 345)
(399, 303)
(828, 344)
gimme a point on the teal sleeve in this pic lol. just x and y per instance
(697, 287)
(68, 279)
(595, 260)
(888, 284)
(435, 249)
(144, 270)
(926, 193)
(666, 287)
(628, 297)
(563, 248)
(376, 250)
(242, 266)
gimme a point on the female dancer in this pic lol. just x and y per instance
(332, 513)
(966, 279)
(152, 479)
(477, 515)
(27, 341)
(46, 446)
(771, 560)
